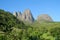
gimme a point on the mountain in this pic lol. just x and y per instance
(44, 18)
(26, 16)
(11, 28)
(7, 21)
(18, 15)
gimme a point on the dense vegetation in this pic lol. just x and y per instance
(13, 29)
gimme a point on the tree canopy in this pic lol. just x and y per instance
(13, 29)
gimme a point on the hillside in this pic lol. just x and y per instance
(13, 29)
(8, 22)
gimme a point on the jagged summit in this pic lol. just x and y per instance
(15, 13)
(25, 16)
(44, 17)
(18, 15)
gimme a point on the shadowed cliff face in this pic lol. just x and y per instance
(18, 15)
(44, 17)
(25, 16)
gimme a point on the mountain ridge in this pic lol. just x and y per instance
(25, 16)
(13, 29)
(28, 17)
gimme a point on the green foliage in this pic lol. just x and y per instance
(7, 21)
(13, 29)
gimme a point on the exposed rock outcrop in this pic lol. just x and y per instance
(44, 17)
(25, 16)
(18, 15)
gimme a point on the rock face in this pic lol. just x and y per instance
(18, 15)
(44, 17)
(25, 16)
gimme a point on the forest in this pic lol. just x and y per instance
(13, 29)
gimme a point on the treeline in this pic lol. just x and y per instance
(13, 29)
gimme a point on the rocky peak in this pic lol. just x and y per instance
(18, 15)
(25, 16)
(15, 14)
(44, 17)
(27, 12)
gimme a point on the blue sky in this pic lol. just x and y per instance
(37, 7)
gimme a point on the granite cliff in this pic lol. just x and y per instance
(44, 17)
(26, 16)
